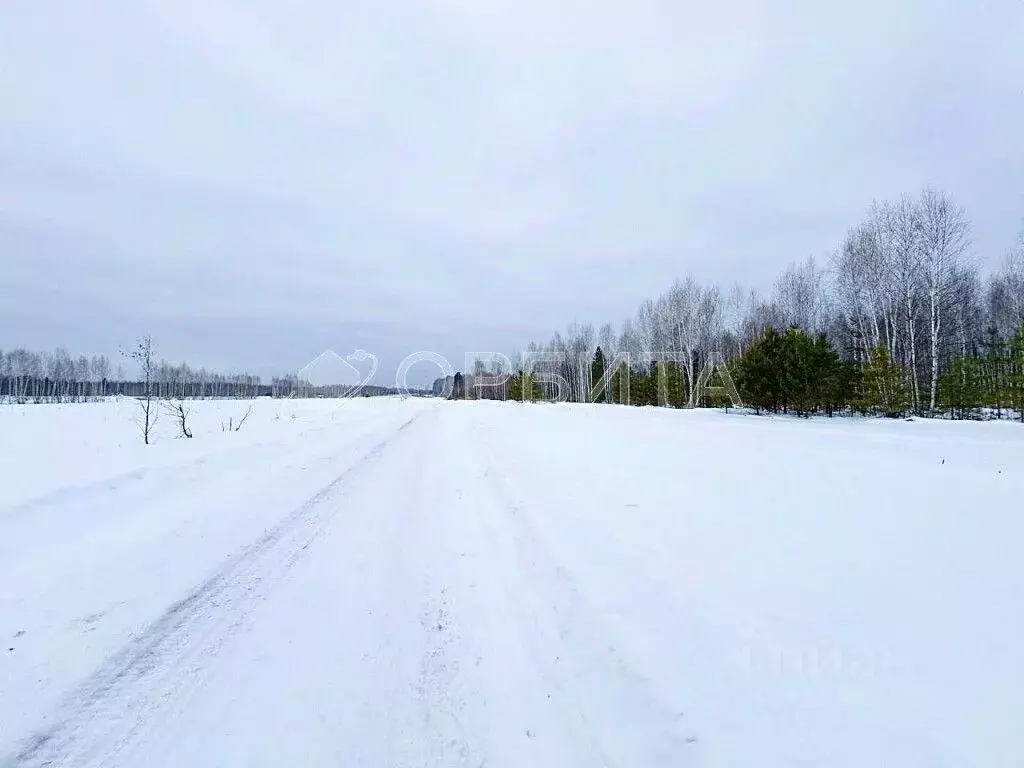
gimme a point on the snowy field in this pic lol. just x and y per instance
(387, 582)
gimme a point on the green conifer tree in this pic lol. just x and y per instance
(515, 387)
(994, 367)
(1015, 373)
(830, 378)
(597, 370)
(759, 373)
(622, 381)
(961, 387)
(641, 387)
(883, 390)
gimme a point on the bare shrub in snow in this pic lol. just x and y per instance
(180, 413)
(231, 426)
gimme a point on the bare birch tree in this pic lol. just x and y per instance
(802, 297)
(1006, 293)
(143, 355)
(945, 238)
(904, 224)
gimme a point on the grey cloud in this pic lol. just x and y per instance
(445, 172)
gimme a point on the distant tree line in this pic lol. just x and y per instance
(60, 377)
(57, 376)
(900, 321)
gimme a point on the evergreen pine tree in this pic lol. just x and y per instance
(846, 386)
(597, 370)
(675, 384)
(994, 371)
(654, 385)
(882, 387)
(960, 387)
(641, 387)
(799, 374)
(759, 373)
(515, 386)
(829, 377)
(622, 389)
(715, 394)
(1015, 373)
(524, 387)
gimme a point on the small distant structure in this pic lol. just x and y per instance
(443, 387)
(458, 387)
(481, 385)
(489, 385)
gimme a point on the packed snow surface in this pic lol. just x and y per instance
(388, 582)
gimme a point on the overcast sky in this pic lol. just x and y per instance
(255, 181)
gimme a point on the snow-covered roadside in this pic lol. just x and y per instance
(59, 447)
(822, 592)
(431, 583)
(86, 567)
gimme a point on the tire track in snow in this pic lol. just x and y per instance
(625, 720)
(108, 712)
(446, 742)
(443, 704)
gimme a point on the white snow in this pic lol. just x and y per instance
(388, 582)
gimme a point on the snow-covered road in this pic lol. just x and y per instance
(421, 583)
